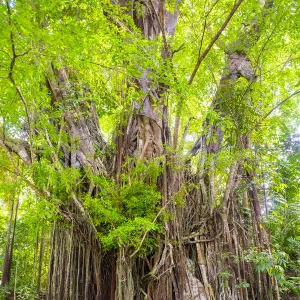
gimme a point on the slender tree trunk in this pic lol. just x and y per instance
(40, 265)
(36, 247)
(7, 256)
(9, 248)
(15, 283)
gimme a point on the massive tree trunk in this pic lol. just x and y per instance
(76, 253)
(78, 268)
(239, 221)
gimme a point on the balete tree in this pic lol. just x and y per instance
(143, 127)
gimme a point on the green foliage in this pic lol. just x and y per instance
(273, 263)
(35, 217)
(283, 220)
(24, 292)
(284, 225)
(242, 285)
(140, 199)
(130, 234)
(225, 275)
(125, 213)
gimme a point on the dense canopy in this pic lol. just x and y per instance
(149, 149)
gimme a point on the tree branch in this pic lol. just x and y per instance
(275, 107)
(215, 38)
(11, 78)
(18, 147)
(162, 29)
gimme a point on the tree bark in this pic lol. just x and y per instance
(40, 265)
(9, 248)
(7, 256)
